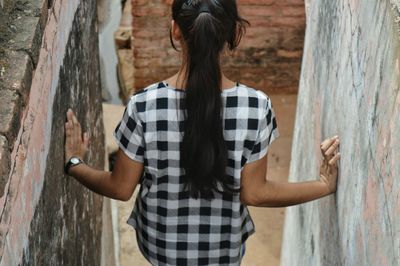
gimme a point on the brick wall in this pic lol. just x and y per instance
(268, 58)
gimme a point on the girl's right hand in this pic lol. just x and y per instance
(329, 167)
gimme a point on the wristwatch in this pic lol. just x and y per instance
(73, 161)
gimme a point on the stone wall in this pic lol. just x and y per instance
(349, 86)
(48, 62)
(268, 58)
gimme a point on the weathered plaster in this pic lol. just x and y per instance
(42, 212)
(29, 158)
(349, 86)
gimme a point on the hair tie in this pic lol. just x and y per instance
(188, 5)
(204, 8)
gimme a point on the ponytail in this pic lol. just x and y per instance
(205, 27)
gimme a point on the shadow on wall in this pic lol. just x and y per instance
(44, 215)
(350, 86)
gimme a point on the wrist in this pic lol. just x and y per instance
(69, 157)
(326, 189)
(72, 162)
(76, 170)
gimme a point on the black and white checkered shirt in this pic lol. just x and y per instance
(173, 228)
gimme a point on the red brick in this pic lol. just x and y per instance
(256, 2)
(269, 56)
(155, 11)
(293, 11)
(290, 54)
(261, 11)
(291, 2)
(145, 23)
(292, 22)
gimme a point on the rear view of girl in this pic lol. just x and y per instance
(197, 144)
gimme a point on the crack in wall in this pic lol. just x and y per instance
(382, 183)
(366, 95)
(18, 145)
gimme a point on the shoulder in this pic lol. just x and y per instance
(258, 97)
(145, 92)
(145, 96)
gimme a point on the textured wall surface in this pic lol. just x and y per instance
(48, 62)
(21, 30)
(268, 58)
(349, 86)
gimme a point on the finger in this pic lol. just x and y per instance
(86, 140)
(67, 129)
(334, 159)
(69, 115)
(328, 140)
(70, 129)
(69, 137)
(70, 118)
(74, 119)
(326, 143)
(77, 125)
(332, 148)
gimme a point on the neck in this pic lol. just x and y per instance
(178, 80)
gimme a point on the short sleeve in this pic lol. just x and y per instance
(267, 133)
(129, 133)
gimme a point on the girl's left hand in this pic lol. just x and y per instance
(329, 164)
(75, 144)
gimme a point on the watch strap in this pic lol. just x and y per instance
(70, 164)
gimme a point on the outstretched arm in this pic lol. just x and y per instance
(258, 191)
(118, 184)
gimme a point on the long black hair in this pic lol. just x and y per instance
(206, 27)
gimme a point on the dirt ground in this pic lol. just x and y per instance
(264, 247)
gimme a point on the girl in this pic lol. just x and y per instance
(197, 143)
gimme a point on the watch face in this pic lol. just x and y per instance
(74, 160)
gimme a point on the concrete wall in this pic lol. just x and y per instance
(349, 86)
(268, 58)
(48, 62)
